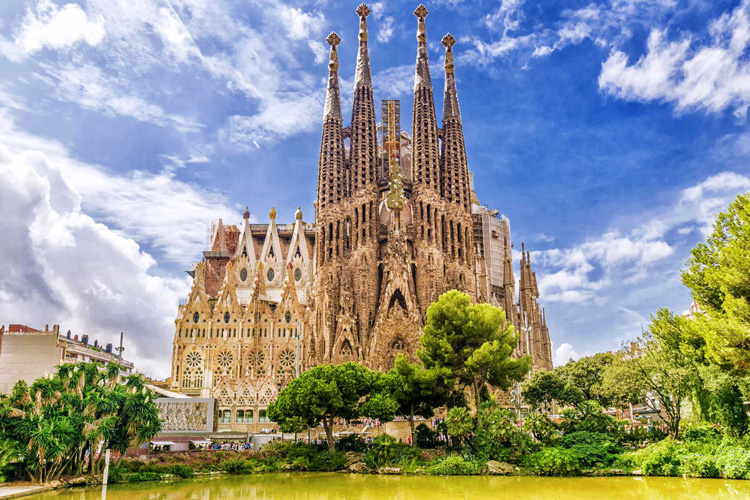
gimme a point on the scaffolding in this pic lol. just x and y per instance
(390, 134)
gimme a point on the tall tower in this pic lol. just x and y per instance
(328, 216)
(428, 218)
(458, 239)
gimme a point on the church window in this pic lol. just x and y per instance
(398, 345)
(288, 317)
(298, 253)
(286, 358)
(262, 418)
(269, 274)
(196, 317)
(270, 252)
(243, 274)
(297, 274)
(226, 317)
(346, 349)
(240, 417)
(244, 254)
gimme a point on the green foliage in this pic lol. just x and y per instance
(718, 275)
(455, 465)
(591, 448)
(553, 462)
(586, 376)
(543, 429)
(733, 462)
(590, 417)
(139, 477)
(426, 437)
(470, 344)
(235, 466)
(183, 471)
(352, 442)
(698, 465)
(324, 393)
(8, 453)
(386, 451)
(58, 418)
(546, 387)
(328, 461)
(496, 436)
(459, 423)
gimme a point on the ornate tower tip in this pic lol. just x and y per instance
(363, 10)
(246, 213)
(298, 213)
(448, 41)
(333, 39)
(421, 11)
(272, 213)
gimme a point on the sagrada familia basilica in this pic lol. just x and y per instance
(397, 223)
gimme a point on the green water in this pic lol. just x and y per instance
(329, 486)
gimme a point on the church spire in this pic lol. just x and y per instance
(331, 162)
(455, 171)
(333, 95)
(425, 168)
(364, 129)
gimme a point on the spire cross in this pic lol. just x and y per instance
(334, 40)
(448, 42)
(421, 12)
(363, 11)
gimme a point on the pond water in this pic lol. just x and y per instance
(330, 486)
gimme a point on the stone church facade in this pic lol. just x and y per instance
(397, 223)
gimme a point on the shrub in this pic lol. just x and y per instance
(455, 465)
(590, 447)
(659, 459)
(352, 442)
(698, 465)
(328, 461)
(589, 416)
(426, 437)
(301, 464)
(702, 432)
(543, 429)
(386, 450)
(138, 477)
(553, 462)
(235, 466)
(733, 462)
(115, 475)
(183, 471)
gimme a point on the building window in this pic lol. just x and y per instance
(226, 317)
(262, 418)
(225, 417)
(244, 417)
(196, 317)
(243, 274)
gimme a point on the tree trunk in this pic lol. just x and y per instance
(411, 426)
(328, 426)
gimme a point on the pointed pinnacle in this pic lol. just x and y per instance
(421, 12)
(363, 10)
(333, 39)
(448, 41)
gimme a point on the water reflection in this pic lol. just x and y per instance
(365, 487)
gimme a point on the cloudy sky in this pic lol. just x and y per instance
(610, 132)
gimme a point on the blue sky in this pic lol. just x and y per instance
(610, 132)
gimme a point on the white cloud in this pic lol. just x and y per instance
(65, 268)
(87, 86)
(153, 208)
(565, 353)
(586, 272)
(48, 26)
(385, 31)
(691, 74)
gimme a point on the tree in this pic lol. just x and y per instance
(718, 275)
(586, 375)
(82, 408)
(417, 391)
(546, 387)
(471, 345)
(659, 370)
(322, 394)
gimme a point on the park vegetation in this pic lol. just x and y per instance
(60, 425)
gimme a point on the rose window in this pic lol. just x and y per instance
(193, 359)
(286, 358)
(225, 359)
(256, 358)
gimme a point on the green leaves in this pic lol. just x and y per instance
(471, 345)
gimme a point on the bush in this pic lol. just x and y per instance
(543, 429)
(183, 471)
(235, 466)
(301, 464)
(702, 432)
(426, 437)
(639, 435)
(591, 448)
(733, 462)
(553, 462)
(352, 442)
(697, 465)
(138, 477)
(328, 461)
(589, 417)
(659, 459)
(115, 475)
(386, 451)
(454, 466)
